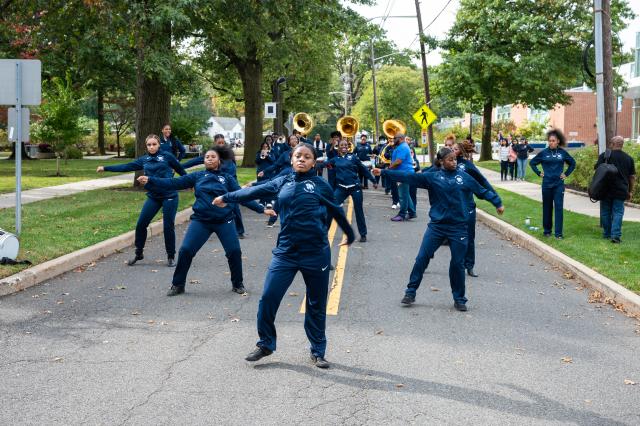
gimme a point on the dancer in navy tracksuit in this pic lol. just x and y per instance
(461, 150)
(348, 167)
(159, 164)
(229, 167)
(206, 218)
(305, 201)
(449, 216)
(364, 153)
(170, 143)
(264, 159)
(553, 159)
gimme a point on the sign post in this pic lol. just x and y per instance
(21, 86)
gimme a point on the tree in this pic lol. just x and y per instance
(120, 110)
(60, 113)
(189, 116)
(259, 39)
(400, 95)
(517, 52)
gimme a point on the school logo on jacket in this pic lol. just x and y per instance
(309, 186)
(221, 179)
(160, 157)
(459, 180)
(349, 157)
(461, 167)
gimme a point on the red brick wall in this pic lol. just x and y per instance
(3, 116)
(580, 117)
(519, 114)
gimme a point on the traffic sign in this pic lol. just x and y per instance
(424, 116)
(31, 87)
(423, 140)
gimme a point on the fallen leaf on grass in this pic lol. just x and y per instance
(629, 382)
(567, 359)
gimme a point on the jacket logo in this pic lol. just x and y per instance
(309, 187)
(349, 157)
(459, 180)
(461, 166)
(221, 179)
(160, 157)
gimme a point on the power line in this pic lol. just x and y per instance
(430, 23)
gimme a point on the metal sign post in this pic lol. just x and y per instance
(20, 85)
(18, 149)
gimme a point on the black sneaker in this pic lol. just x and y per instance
(460, 306)
(320, 362)
(363, 239)
(616, 240)
(559, 237)
(175, 290)
(171, 262)
(240, 290)
(133, 261)
(257, 354)
(241, 236)
(471, 272)
(412, 215)
(408, 299)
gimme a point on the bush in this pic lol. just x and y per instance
(130, 148)
(72, 153)
(585, 160)
(45, 148)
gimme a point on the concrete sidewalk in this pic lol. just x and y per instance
(572, 202)
(39, 194)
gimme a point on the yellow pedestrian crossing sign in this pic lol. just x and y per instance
(424, 116)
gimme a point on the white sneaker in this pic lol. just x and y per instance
(394, 206)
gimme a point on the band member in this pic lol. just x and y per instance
(206, 218)
(305, 201)
(348, 167)
(283, 161)
(449, 216)
(553, 159)
(401, 160)
(170, 143)
(320, 147)
(158, 164)
(364, 153)
(413, 190)
(331, 152)
(463, 151)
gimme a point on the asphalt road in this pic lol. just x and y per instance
(104, 345)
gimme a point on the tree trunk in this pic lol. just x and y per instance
(251, 76)
(487, 109)
(610, 106)
(25, 156)
(118, 143)
(100, 96)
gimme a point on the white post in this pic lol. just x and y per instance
(18, 147)
(602, 132)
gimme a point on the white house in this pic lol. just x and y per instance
(230, 127)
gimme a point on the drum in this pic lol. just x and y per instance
(9, 245)
(367, 164)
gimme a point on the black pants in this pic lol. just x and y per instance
(504, 168)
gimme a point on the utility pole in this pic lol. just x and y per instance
(606, 114)
(375, 96)
(425, 75)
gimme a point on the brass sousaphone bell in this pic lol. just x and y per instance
(391, 128)
(303, 123)
(348, 127)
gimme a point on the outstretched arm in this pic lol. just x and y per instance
(268, 189)
(193, 162)
(128, 167)
(421, 180)
(232, 185)
(175, 165)
(335, 212)
(484, 194)
(183, 182)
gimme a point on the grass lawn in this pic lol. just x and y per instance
(59, 226)
(495, 166)
(582, 239)
(41, 173)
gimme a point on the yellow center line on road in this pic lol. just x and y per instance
(336, 285)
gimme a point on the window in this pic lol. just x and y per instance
(503, 112)
(537, 115)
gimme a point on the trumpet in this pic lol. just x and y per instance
(348, 127)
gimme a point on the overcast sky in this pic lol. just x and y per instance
(403, 31)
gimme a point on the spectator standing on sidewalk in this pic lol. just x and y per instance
(503, 155)
(513, 156)
(523, 149)
(553, 159)
(619, 189)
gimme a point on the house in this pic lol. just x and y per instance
(231, 127)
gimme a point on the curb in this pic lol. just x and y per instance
(610, 291)
(52, 268)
